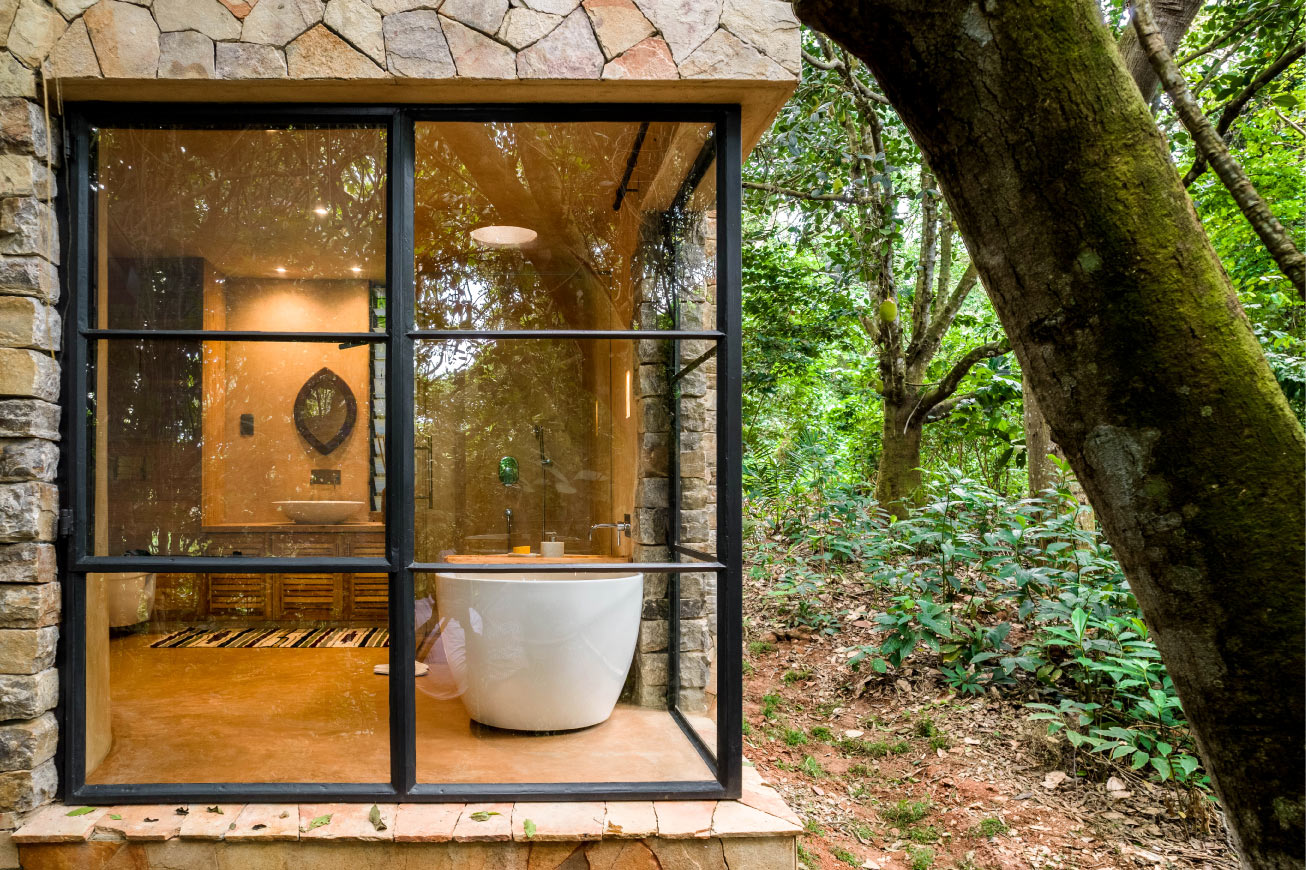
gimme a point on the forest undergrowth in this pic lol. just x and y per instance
(934, 690)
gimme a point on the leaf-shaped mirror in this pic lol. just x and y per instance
(325, 411)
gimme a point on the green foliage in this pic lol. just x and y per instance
(921, 857)
(794, 737)
(905, 812)
(964, 569)
(990, 828)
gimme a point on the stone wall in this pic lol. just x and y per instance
(29, 457)
(398, 39)
(696, 440)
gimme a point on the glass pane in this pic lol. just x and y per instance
(236, 678)
(584, 428)
(535, 677)
(563, 225)
(236, 448)
(248, 229)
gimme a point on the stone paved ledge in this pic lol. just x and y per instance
(760, 812)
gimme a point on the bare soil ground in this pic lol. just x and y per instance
(897, 772)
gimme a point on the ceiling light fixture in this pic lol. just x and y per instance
(355, 268)
(281, 269)
(503, 236)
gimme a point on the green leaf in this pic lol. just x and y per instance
(320, 821)
(529, 827)
(374, 816)
(1162, 767)
(80, 811)
(217, 810)
(483, 816)
(115, 817)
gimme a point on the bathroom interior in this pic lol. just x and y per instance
(528, 450)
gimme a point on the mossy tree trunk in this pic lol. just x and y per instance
(899, 476)
(1142, 359)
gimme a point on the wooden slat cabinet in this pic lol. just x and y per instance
(292, 596)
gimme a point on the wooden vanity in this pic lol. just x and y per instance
(291, 596)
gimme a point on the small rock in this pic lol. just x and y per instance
(853, 734)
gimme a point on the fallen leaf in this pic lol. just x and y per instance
(80, 811)
(852, 735)
(529, 827)
(217, 810)
(256, 827)
(182, 811)
(481, 816)
(1054, 779)
(374, 816)
(320, 821)
(147, 819)
(115, 817)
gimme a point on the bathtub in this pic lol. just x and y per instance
(539, 652)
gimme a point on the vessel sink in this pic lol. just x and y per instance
(318, 512)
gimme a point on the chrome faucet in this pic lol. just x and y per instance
(623, 526)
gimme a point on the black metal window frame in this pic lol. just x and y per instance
(724, 760)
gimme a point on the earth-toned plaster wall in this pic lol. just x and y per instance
(52, 49)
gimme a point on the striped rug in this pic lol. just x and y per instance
(197, 637)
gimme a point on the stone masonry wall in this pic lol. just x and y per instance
(46, 42)
(399, 39)
(29, 457)
(697, 444)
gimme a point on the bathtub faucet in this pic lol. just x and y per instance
(620, 527)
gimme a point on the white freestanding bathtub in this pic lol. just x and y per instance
(539, 652)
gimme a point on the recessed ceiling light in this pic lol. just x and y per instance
(281, 268)
(355, 268)
(503, 236)
(321, 210)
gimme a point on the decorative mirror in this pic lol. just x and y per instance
(325, 411)
(509, 472)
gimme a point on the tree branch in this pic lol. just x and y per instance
(925, 349)
(1301, 131)
(833, 61)
(1239, 102)
(923, 300)
(1174, 17)
(808, 195)
(947, 406)
(953, 378)
(1208, 142)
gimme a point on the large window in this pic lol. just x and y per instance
(405, 454)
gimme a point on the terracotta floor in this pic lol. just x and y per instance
(290, 715)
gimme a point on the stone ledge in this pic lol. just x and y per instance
(742, 853)
(759, 813)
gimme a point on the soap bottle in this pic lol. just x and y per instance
(552, 548)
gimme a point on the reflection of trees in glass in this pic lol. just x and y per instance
(556, 179)
(311, 200)
(477, 401)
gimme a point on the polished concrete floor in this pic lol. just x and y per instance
(321, 715)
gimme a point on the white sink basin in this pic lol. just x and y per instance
(318, 512)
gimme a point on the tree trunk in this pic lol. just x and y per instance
(899, 477)
(1038, 443)
(1173, 18)
(1142, 359)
